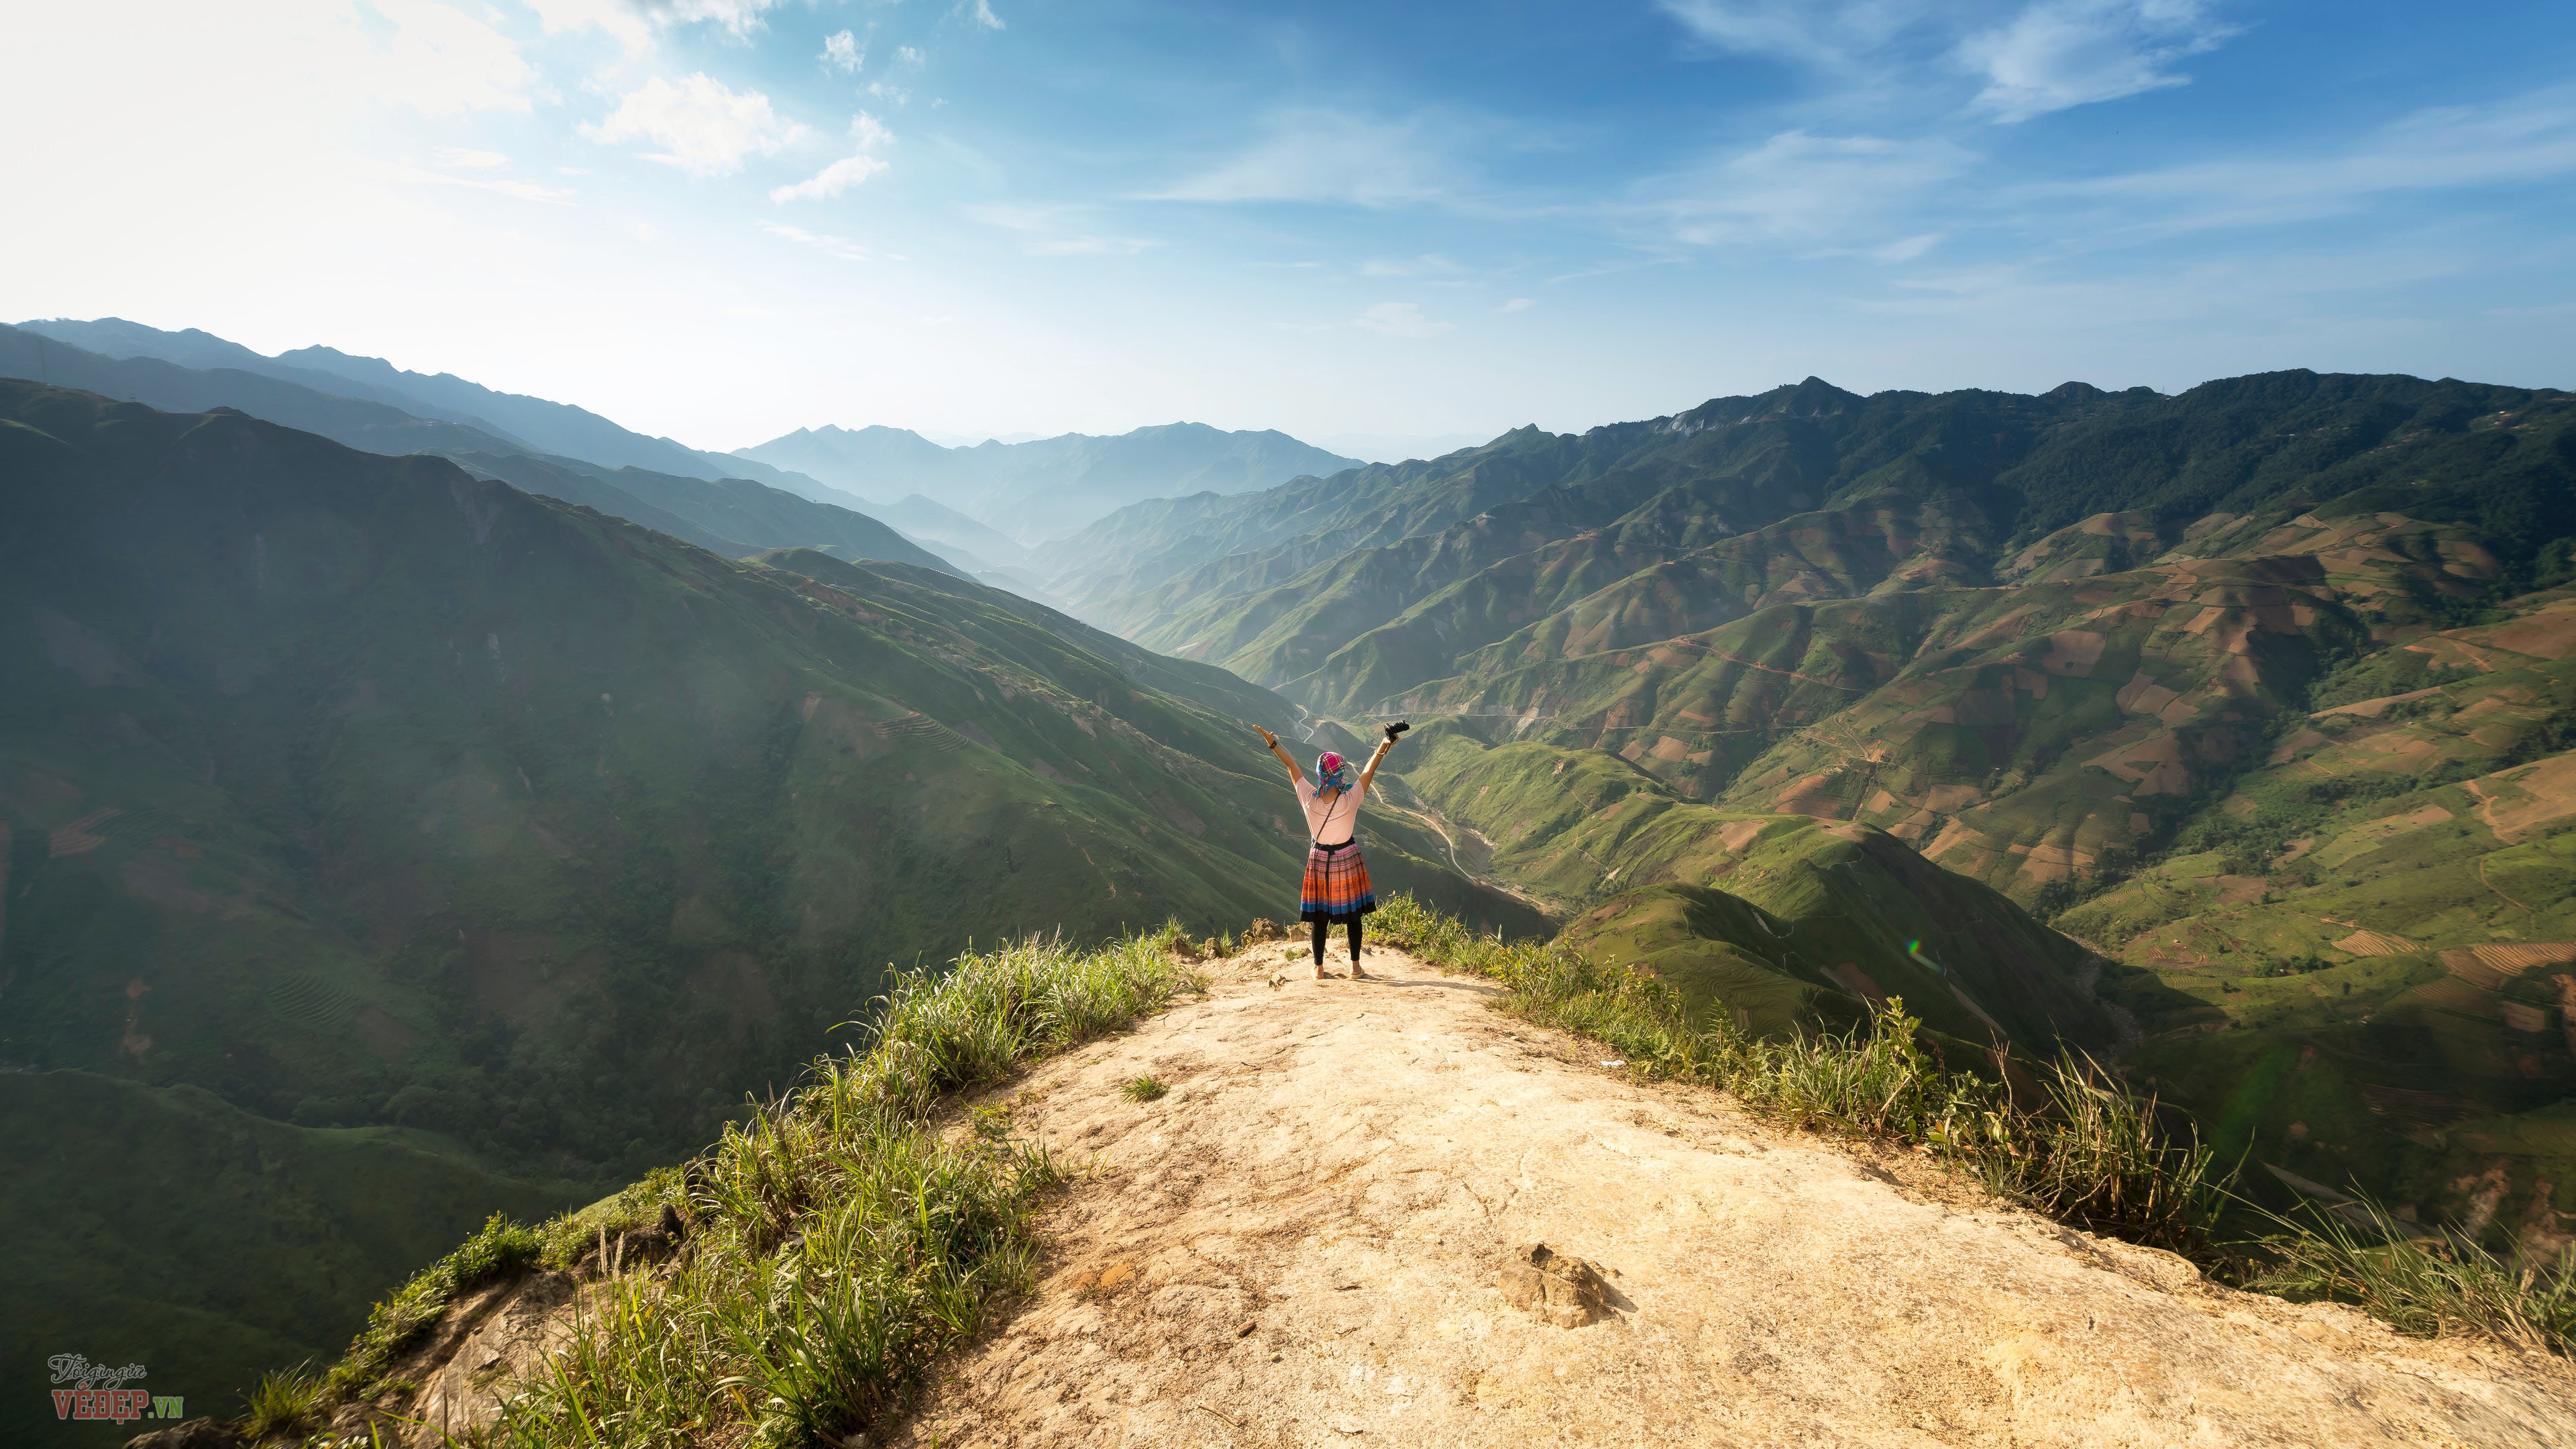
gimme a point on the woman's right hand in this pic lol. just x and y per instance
(1268, 738)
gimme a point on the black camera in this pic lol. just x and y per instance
(1397, 728)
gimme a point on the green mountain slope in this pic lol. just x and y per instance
(2367, 940)
(2039, 640)
(373, 427)
(165, 1227)
(731, 515)
(361, 792)
(1783, 920)
(530, 424)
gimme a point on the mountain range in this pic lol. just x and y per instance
(372, 814)
(2260, 690)
(392, 793)
(1035, 490)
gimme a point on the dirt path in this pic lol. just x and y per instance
(1301, 1244)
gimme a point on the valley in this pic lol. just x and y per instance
(388, 796)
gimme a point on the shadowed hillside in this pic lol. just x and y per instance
(361, 793)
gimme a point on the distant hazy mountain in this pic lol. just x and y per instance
(1035, 490)
(533, 423)
(1400, 447)
(367, 425)
(941, 526)
(735, 516)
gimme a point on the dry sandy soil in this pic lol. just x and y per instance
(1301, 1243)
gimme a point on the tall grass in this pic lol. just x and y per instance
(838, 1243)
(2092, 1152)
(2429, 1287)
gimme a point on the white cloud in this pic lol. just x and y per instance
(981, 13)
(1835, 34)
(892, 95)
(843, 52)
(2062, 53)
(909, 55)
(441, 62)
(866, 133)
(1329, 156)
(2049, 55)
(1797, 186)
(832, 180)
(458, 158)
(1429, 264)
(1516, 304)
(1057, 231)
(1398, 319)
(702, 127)
(1905, 250)
(741, 17)
(2530, 138)
(840, 247)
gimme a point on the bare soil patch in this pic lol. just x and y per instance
(1305, 1242)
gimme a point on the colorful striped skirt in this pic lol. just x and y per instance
(1337, 884)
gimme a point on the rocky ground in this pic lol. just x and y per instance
(1308, 1240)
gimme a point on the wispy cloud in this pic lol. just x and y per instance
(1058, 231)
(702, 126)
(842, 52)
(1333, 156)
(2524, 139)
(1797, 186)
(1835, 34)
(840, 247)
(2064, 53)
(2045, 56)
(459, 158)
(1516, 304)
(1398, 319)
(442, 62)
(1429, 264)
(980, 12)
(869, 136)
(738, 17)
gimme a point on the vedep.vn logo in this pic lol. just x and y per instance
(99, 1392)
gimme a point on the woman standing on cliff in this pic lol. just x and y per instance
(1337, 880)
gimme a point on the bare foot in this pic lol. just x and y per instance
(1319, 970)
(1357, 974)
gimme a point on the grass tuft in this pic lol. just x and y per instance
(839, 1241)
(1143, 1088)
(285, 1403)
(2428, 1287)
(499, 1247)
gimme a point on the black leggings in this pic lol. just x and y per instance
(1324, 928)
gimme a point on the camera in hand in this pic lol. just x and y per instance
(1397, 728)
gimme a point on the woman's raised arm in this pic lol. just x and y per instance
(1295, 775)
(1368, 776)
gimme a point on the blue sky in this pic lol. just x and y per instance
(722, 219)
